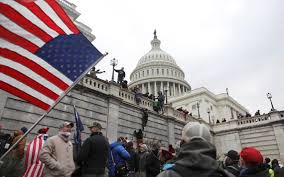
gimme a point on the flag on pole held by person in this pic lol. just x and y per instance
(42, 52)
(34, 167)
(79, 129)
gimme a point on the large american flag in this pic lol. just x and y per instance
(41, 51)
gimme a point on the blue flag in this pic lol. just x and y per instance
(79, 129)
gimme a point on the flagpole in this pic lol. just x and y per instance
(51, 107)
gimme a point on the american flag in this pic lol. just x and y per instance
(34, 167)
(42, 53)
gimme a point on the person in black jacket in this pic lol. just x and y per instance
(133, 162)
(197, 156)
(94, 153)
(153, 164)
(232, 162)
(252, 163)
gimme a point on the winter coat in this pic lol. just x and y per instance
(118, 156)
(133, 161)
(234, 169)
(257, 171)
(57, 155)
(196, 159)
(152, 165)
(94, 154)
(19, 151)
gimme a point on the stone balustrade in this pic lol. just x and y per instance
(96, 84)
(254, 120)
(126, 95)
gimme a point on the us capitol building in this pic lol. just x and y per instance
(158, 71)
(115, 108)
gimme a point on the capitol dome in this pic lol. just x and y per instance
(157, 71)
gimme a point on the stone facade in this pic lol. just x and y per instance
(264, 132)
(96, 100)
(117, 111)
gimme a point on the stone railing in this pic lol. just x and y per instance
(96, 84)
(249, 121)
(255, 119)
(127, 96)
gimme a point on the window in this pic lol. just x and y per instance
(147, 72)
(139, 74)
(167, 71)
(143, 73)
(135, 76)
(175, 73)
(157, 71)
(211, 107)
(172, 72)
(152, 71)
(162, 71)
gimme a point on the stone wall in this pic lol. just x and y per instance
(96, 100)
(264, 132)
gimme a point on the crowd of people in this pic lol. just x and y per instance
(194, 156)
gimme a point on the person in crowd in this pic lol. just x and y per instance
(266, 162)
(257, 113)
(161, 100)
(121, 75)
(252, 163)
(5, 141)
(151, 97)
(218, 121)
(153, 163)
(19, 151)
(34, 167)
(133, 161)
(94, 153)
(231, 162)
(124, 84)
(224, 120)
(13, 165)
(197, 156)
(137, 95)
(57, 153)
(117, 158)
(146, 94)
(280, 172)
(275, 167)
(142, 153)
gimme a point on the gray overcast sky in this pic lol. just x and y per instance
(222, 43)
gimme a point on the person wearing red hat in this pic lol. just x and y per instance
(33, 166)
(252, 163)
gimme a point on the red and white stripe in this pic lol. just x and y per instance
(25, 28)
(34, 167)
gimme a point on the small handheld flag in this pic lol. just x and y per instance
(79, 129)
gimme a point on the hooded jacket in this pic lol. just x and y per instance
(196, 159)
(256, 171)
(118, 156)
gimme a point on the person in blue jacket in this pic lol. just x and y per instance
(117, 158)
